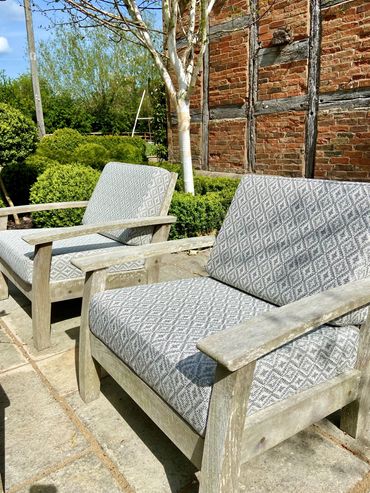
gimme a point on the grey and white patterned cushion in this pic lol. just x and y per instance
(154, 329)
(284, 239)
(18, 254)
(127, 191)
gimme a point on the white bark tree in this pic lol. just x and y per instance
(178, 63)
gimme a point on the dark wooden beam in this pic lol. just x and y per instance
(238, 24)
(313, 88)
(330, 3)
(281, 105)
(205, 108)
(227, 112)
(253, 64)
(298, 50)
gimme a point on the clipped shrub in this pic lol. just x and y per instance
(61, 145)
(111, 142)
(91, 154)
(18, 136)
(63, 183)
(196, 214)
(206, 184)
(20, 177)
(127, 153)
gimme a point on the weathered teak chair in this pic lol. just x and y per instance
(230, 365)
(128, 206)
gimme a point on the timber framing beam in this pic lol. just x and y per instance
(313, 88)
(252, 88)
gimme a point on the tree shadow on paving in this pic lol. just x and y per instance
(4, 403)
(172, 460)
(43, 488)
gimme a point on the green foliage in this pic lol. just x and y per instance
(61, 145)
(196, 214)
(2, 204)
(127, 149)
(105, 77)
(61, 110)
(91, 154)
(18, 136)
(127, 153)
(19, 178)
(63, 183)
(159, 122)
(205, 184)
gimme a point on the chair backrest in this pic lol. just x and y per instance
(286, 238)
(128, 191)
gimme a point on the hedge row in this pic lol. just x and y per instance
(196, 215)
(67, 146)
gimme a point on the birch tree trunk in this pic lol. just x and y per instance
(183, 116)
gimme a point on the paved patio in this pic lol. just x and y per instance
(54, 443)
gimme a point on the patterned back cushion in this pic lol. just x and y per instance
(287, 238)
(127, 191)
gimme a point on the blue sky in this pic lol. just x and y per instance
(13, 37)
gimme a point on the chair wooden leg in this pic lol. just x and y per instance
(355, 417)
(41, 322)
(4, 290)
(88, 369)
(222, 447)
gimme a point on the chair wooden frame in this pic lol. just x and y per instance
(43, 292)
(231, 437)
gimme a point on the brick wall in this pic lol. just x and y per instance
(287, 128)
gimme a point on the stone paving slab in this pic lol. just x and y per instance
(85, 475)
(110, 445)
(149, 460)
(11, 356)
(37, 432)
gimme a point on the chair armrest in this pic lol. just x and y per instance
(250, 340)
(87, 229)
(128, 254)
(20, 209)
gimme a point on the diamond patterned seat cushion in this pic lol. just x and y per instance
(154, 329)
(127, 191)
(284, 239)
(18, 254)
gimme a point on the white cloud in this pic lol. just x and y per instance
(4, 45)
(11, 10)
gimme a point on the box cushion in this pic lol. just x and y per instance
(284, 239)
(126, 191)
(154, 330)
(18, 254)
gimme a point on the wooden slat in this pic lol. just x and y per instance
(251, 340)
(276, 423)
(173, 425)
(87, 229)
(355, 417)
(20, 209)
(88, 369)
(223, 443)
(41, 301)
(73, 288)
(127, 254)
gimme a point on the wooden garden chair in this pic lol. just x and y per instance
(128, 207)
(275, 339)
